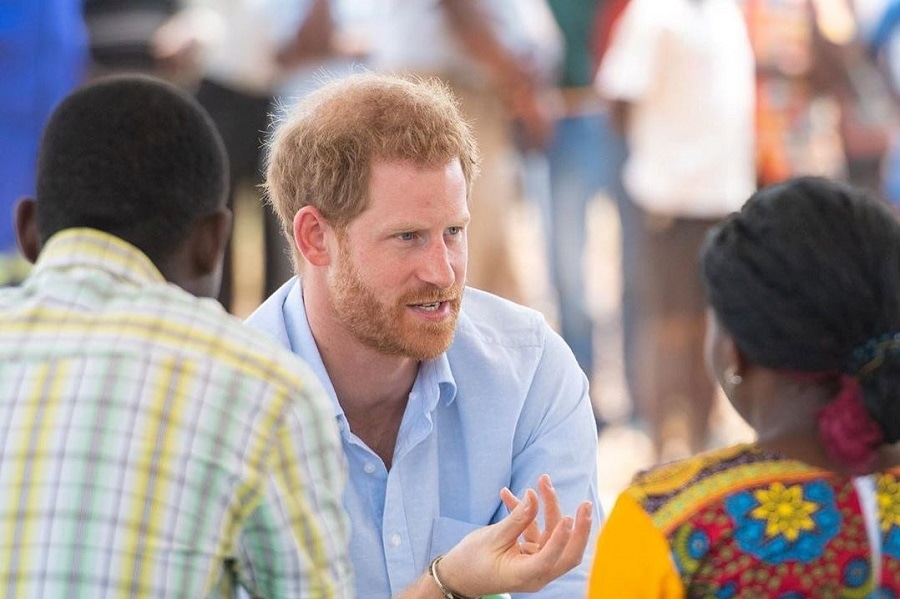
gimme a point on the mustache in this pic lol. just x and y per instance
(432, 295)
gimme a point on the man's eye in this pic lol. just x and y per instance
(454, 230)
(406, 236)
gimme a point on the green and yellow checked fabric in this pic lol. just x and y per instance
(153, 446)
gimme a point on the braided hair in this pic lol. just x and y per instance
(806, 278)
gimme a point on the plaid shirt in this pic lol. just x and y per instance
(153, 446)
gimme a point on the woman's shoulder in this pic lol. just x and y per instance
(671, 492)
(676, 476)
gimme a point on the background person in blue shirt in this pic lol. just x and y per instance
(443, 394)
(43, 56)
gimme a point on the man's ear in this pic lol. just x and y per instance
(26, 229)
(310, 232)
(209, 240)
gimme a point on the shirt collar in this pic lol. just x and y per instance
(437, 373)
(84, 247)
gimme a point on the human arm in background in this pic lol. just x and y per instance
(313, 38)
(517, 82)
(304, 31)
(515, 554)
(179, 43)
(842, 69)
(618, 116)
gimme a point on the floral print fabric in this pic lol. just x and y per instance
(741, 522)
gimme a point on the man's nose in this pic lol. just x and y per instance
(437, 266)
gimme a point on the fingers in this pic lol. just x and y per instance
(520, 518)
(535, 570)
(563, 550)
(508, 498)
(577, 543)
(552, 511)
(532, 533)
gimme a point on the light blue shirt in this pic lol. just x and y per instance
(506, 403)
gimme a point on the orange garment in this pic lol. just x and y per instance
(632, 558)
(745, 523)
(782, 38)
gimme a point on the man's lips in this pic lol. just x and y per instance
(431, 305)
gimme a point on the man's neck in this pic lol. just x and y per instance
(371, 387)
(373, 391)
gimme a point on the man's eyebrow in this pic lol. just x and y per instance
(402, 226)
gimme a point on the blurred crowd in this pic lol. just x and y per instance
(673, 111)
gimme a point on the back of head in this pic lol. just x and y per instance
(806, 277)
(321, 155)
(132, 156)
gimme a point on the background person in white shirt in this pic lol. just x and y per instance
(680, 75)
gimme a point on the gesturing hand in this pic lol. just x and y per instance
(515, 555)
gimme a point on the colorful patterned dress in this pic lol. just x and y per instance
(742, 522)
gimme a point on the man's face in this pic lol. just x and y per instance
(401, 266)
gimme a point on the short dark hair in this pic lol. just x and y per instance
(133, 156)
(807, 272)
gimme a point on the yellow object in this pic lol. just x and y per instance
(633, 558)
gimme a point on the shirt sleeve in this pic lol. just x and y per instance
(295, 542)
(629, 65)
(562, 442)
(633, 557)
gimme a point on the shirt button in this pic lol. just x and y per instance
(369, 468)
(396, 540)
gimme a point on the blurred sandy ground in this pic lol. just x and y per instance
(624, 449)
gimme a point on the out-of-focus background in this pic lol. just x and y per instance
(562, 220)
